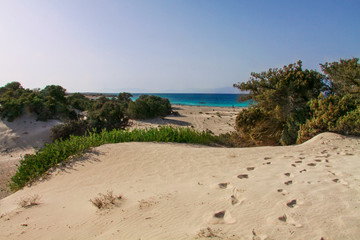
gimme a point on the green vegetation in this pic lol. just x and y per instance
(102, 113)
(335, 114)
(47, 103)
(35, 165)
(289, 103)
(149, 107)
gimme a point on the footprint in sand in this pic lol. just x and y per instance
(222, 217)
(301, 171)
(291, 204)
(283, 218)
(287, 174)
(288, 182)
(243, 176)
(336, 180)
(311, 164)
(223, 185)
(289, 220)
(317, 160)
(298, 161)
(294, 165)
(266, 163)
(236, 198)
(250, 168)
(219, 214)
(282, 191)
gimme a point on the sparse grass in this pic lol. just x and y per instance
(105, 201)
(30, 201)
(33, 166)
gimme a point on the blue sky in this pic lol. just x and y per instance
(169, 45)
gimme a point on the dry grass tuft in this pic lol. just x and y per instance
(30, 201)
(107, 200)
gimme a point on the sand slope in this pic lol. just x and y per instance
(177, 191)
(17, 138)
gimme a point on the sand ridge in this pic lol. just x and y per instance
(179, 191)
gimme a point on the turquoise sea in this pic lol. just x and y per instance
(200, 99)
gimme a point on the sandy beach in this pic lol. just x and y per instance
(183, 191)
(218, 120)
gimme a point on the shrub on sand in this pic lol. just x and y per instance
(30, 201)
(108, 200)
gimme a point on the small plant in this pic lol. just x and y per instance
(30, 201)
(105, 201)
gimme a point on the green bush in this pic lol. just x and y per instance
(258, 127)
(72, 127)
(280, 104)
(79, 101)
(149, 107)
(12, 100)
(107, 113)
(35, 165)
(46, 104)
(340, 114)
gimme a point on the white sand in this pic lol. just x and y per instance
(215, 119)
(22, 136)
(172, 191)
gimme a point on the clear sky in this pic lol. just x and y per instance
(168, 45)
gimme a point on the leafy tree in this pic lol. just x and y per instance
(280, 103)
(343, 76)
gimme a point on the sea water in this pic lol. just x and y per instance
(200, 99)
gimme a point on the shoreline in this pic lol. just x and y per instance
(198, 103)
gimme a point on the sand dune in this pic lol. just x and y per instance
(25, 134)
(179, 191)
(22, 136)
